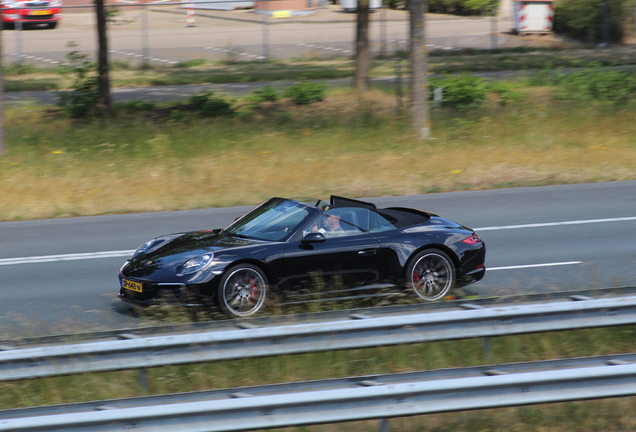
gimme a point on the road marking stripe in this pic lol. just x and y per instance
(125, 253)
(534, 265)
(66, 257)
(551, 224)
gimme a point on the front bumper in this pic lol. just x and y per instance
(27, 16)
(171, 294)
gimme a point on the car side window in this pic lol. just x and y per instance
(340, 222)
(379, 223)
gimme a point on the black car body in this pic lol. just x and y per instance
(286, 246)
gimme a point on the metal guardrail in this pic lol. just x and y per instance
(313, 337)
(328, 384)
(365, 401)
(268, 321)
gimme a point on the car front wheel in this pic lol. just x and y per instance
(431, 274)
(242, 290)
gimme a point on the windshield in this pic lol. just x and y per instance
(273, 220)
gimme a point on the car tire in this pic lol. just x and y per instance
(52, 25)
(242, 290)
(430, 274)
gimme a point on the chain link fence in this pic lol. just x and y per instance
(170, 33)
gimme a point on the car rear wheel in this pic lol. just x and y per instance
(52, 25)
(431, 274)
(242, 290)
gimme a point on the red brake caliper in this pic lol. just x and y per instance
(252, 289)
(416, 277)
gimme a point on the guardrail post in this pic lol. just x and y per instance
(384, 425)
(485, 343)
(143, 379)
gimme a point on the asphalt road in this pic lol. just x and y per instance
(60, 274)
(163, 36)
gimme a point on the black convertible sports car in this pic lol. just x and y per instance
(288, 245)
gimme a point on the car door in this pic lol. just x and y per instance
(345, 259)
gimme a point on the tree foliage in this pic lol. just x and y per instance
(583, 19)
(463, 7)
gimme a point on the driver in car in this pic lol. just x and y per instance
(330, 225)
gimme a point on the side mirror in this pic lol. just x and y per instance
(313, 238)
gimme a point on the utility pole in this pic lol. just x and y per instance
(105, 103)
(420, 115)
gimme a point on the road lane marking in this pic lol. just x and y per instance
(127, 253)
(534, 265)
(551, 224)
(66, 257)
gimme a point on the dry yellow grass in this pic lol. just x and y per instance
(227, 163)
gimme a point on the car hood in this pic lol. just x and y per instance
(172, 251)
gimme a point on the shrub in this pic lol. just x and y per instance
(460, 91)
(81, 100)
(597, 84)
(306, 92)
(136, 105)
(210, 105)
(583, 19)
(504, 91)
(266, 94)
(463, 7)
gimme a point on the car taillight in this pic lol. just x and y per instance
(472, 239)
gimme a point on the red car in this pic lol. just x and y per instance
(46, 12)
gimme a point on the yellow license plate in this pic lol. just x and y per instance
(40, 12)
(133, 286)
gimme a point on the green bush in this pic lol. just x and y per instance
(135, 105)
(210, 105)
(463, 7)
(583, 19)
(504, 91)
(81, 100)
(461, 91)
(306, 92)
(597, 84)
(266, 94)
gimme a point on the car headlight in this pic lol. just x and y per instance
(196, 264)
(144, 247)
(55, 3)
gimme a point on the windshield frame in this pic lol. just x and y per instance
(234, 229)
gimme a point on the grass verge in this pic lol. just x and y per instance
(346, 145)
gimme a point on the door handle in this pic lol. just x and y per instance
(368, 252)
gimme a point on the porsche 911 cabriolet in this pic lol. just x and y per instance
(291, 245)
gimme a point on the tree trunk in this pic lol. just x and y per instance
(105, 104)
(419, 71)
(363, 57)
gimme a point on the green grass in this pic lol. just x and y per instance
(57, 167)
